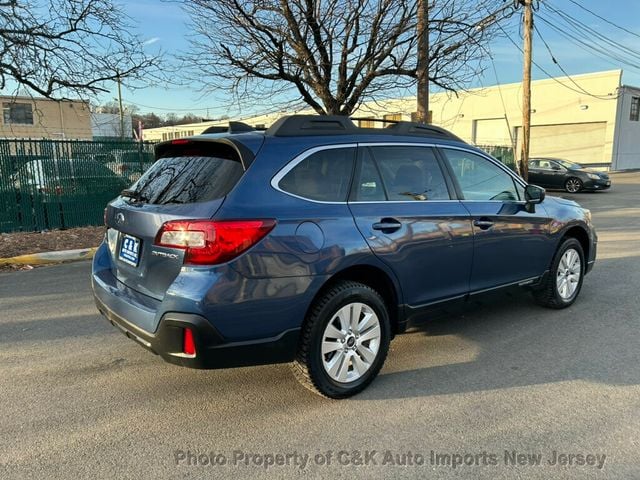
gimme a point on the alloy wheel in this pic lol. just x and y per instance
(573, 185)
(350, 342)
(568, 274)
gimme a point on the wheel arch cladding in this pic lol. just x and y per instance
(377, 279)
(580, 234)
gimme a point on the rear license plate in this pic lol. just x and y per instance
(130, 250)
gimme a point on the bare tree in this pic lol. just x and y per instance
(113, 107)
(58, 48)
(332, 54)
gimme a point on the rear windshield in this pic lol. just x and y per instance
(188, 179)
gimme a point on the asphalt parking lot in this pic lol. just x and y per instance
(482, 384)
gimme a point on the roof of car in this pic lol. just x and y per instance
(323, 125)
(332, 128)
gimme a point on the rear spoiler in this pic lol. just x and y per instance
(221, 147)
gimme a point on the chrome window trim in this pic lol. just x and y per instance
(452, 147)
(415, 202)
(275, 181)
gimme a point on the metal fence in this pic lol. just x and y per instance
(47, 184)
(502, 153)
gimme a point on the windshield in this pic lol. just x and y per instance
(567, 164)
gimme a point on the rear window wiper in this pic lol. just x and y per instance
(134, 194)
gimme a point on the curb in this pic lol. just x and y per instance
(50, 257)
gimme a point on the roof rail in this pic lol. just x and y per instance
(303, 125)
(233, 127)
(414, 128)
(306, 125)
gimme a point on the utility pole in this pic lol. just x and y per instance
(120, 106)
(526, 88)
(422, 66)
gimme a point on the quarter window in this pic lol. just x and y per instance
(323, 176)
(479, 179)
(410, 173)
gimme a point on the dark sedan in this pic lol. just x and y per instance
(570, 176)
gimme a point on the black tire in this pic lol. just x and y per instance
(548, 294)
(308, 364)
(573, 185)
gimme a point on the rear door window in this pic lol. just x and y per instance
(188, 179)
(410, 173)
(368, 185)
(323, 176)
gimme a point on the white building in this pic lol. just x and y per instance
(107, 125)
(591, 119)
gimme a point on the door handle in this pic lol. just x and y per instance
(483, 223)
(387, 225)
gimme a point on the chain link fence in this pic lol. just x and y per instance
(47, 184)
(503, 153)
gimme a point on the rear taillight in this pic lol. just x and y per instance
(208, 242)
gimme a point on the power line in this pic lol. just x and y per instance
(581, 30)
(577, 33)
(604, 19)
(169, 109)
(612, 97)
(605, 55)
(554, 60)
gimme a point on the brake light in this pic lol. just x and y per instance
(188, 345)
(179, 141)
(208, 242)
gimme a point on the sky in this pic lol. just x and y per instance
(163, 25)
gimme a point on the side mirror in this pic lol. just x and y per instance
(534, 194)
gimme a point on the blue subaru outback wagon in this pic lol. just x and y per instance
(316, 242)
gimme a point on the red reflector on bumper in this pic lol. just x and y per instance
(188, 345)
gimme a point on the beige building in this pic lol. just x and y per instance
(591, 119)
(27, 117)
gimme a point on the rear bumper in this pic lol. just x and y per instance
(211, 349)
(159, 325)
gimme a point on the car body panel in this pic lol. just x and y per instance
(158, 266)
(498, 250)
(430, 253)
(258, 301)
